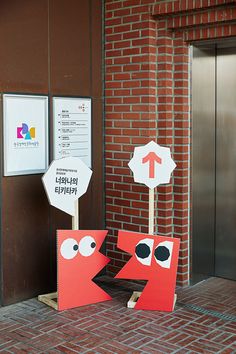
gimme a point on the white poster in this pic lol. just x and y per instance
(65, 181)
(25, 134)
(72, 128)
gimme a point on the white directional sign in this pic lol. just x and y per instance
(152, 164)
(65, 181)
(72, 128)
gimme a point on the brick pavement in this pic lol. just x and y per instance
(109, 327)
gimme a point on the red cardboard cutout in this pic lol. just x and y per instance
(154, 258)
(79, 260)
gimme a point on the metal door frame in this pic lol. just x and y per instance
(206, 268)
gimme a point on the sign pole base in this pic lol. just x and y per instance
(51, 299)
(136, 295)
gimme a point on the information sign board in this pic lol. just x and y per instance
(72, 128)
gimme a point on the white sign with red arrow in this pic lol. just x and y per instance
(152, 164)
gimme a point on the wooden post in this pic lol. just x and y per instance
(151, 212)
(75, 219)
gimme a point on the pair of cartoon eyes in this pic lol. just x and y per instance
(70, 247)
(162, 253)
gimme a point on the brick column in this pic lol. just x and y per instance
(131, 114)
(181, 115)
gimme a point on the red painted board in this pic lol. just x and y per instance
(78, 261)
(154, 258)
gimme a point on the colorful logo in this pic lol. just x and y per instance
(25, 133)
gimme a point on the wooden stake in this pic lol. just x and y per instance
(75, 219)
(151, 212)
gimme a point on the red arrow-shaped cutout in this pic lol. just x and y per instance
(151, 157)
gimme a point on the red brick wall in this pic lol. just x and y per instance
(147, 91)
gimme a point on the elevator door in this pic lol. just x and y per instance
(214, 162)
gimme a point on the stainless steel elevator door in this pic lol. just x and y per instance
(203, 162)
(214, 162)
(225, 236)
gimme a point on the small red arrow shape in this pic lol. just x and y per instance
(151, 157)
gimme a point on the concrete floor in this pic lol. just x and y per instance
(204, 321)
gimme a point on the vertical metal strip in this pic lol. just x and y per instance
(215, 86)
(1, 174)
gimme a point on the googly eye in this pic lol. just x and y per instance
(143, 251)
(69, 248)
(163, 254)
(87, 246)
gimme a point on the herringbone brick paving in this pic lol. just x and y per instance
(109, 327)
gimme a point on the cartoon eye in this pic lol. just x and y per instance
(69, 248)
(87, 246)
(163, 254)
(143, 251)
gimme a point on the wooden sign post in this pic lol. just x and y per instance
(151, 212)
(75, 218)
(65, 181)
(152, 165)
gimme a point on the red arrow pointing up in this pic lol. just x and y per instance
(151, 157)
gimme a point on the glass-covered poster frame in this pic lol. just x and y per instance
(72, 128)
(25, 119)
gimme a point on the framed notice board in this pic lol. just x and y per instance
(72, 128)
(25, 119)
